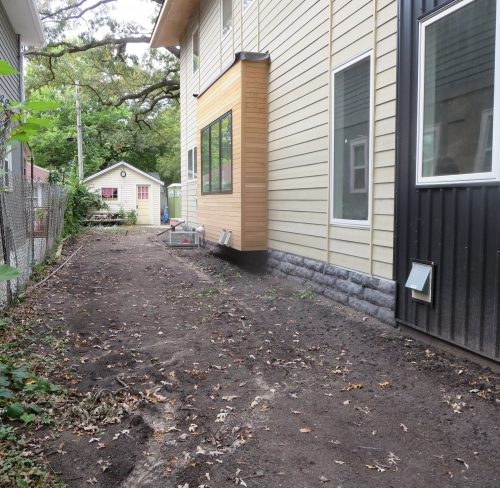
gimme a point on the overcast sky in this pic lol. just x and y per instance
(142, 12)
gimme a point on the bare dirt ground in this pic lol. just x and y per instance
(222, 377)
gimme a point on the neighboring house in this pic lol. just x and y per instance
(123, 186)
(289, 119)
(40, 183)
(19, 26)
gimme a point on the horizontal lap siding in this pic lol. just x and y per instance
(296, 35)
(10, 86)
(9, 50)
(385, 137)
(360, 26)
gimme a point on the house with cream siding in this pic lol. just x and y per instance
(310, 90)
(363, 159)
(125, 187)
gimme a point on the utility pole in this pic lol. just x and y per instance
(79, 133)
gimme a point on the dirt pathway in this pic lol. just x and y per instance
(231, 378)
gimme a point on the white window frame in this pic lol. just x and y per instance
(112, 200)
(364, 224)
(225, 34)
(444, 180)
(195, 71)
(194, 170)
(248, 4)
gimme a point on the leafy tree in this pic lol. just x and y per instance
(129, 104)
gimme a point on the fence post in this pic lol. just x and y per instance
(5, 248)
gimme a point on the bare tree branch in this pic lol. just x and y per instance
(46, 15)
(73, 48)
(175, 51)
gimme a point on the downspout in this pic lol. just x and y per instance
(373, 75)
(330, 144)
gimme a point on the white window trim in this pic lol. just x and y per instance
(363, 224)
(492, 176)
(111, 200)
(195, 164)
(225, 34)
(195, 72)
(246, 7)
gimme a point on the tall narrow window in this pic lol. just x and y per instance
(247, 3)
(196, 51)
(227, 16)
(351, 141)
(192, 164)
(217, 156)
(457, 94)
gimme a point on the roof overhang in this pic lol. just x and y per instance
(25, 20)
(172, 22)
(124, 165)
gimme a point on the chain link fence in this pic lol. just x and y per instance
(31, 222)
(31, 218)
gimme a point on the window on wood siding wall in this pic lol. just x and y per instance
(351, 142)
(109, 193)
(227, 16)
(459, 84)
(247, 3)
(217, 156)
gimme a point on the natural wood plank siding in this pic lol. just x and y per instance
(242, 90)
(297, 35)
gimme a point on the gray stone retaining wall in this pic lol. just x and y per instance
(370, 295)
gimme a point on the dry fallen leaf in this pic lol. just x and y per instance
(403, 426)
(305, 430)
(462, 462)
(352, 386)
(384, 384)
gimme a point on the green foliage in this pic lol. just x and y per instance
(110, 134)
(6, 69)
(80, 201)
(25, 127)
(132, 217)
(305, 295)
(8, 273)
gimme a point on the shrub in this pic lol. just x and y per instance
(80, 201)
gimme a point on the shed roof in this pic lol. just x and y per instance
(172, 22)
(25, 20)
(125, 165)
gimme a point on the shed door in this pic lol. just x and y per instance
(143, 204)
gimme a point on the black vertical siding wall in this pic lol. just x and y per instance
(457, 227)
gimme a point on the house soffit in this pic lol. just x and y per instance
(173, 21)
(25, 20)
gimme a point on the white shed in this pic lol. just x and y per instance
(123, 186)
